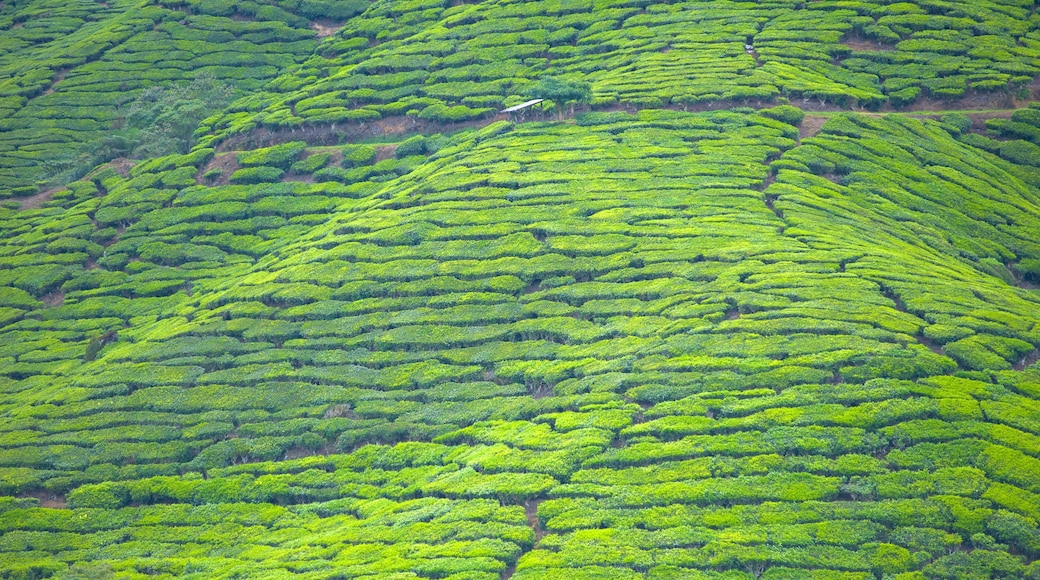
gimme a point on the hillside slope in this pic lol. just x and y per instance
(729, 344)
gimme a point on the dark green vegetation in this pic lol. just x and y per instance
(606, 316)
(450, 62)
(657, 344)
(67, 66)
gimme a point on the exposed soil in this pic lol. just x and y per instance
(896, 300)
(48, 500)
(971, 100)
(810, 127)
(531, 511)
(864, 44)
(36, 201)
(333, 134)
(1028, 361)
(542, 392)
(770, 202)
(119, 233)
(56, 298)
(1020, 281)
(57, 79)
(335, 159)
(769, 180)
(227, 163)
(989, 104)
(122, 166)
(930, 344)
(385, 152)
(325, 28)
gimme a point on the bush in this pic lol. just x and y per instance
(280, 156)
(1017, 530)
(977, 564)
(411, 146)
(958, 122)
(358, 155)
(311, 163)
(107, 495)
(1021, 152)
(785, 113)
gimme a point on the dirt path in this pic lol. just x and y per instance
(979, 106)
(531, 513)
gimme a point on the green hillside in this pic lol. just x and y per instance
(766, 307)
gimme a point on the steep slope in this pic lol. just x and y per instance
(427, 60)
(66, 67)
(660, 338)
(614, 349)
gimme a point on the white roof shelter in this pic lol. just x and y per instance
(515, 108)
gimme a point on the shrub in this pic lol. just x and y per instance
(107, 495)
(785, 113)
(280, 156)
(358, 155)
(412, 146)
(1021, 152)
(976, 564)
(311, 163)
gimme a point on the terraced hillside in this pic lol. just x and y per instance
(730, 344)
(67, 68)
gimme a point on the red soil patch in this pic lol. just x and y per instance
(226, 163)
(37, 200)
(56, 298)
(48, 500)
(931, 344)
(1029, 360)
(325, 28)
(327, 134)
(385, 152)
(863, 44)
(122, 166)
(810, 126)
(57, 79)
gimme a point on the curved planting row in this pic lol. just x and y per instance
(661, 345)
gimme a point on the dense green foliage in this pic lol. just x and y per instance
(682, 378)
(654, 344)
(452, 62)
(68, 67)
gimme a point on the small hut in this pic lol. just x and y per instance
(516, 112)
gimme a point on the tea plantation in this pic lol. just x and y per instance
(366, 328)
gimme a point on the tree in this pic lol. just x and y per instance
(561, 92)
(162, 120)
